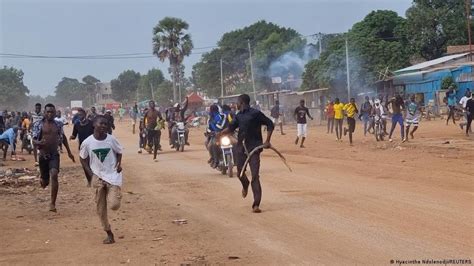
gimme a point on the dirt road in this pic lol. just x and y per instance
(367, 204)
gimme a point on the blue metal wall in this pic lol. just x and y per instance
(429, 83)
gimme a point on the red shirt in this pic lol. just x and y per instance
(330, 110)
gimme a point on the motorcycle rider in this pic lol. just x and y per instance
(174, 115)
(216, 124)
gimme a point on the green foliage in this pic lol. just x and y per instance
(69, 89)
(13, 93)
(124, 87)
(90, 88)
(150, 82)
(432, 25)
(172, 42)
(269, 41)
(447, 83)
(164, 96)
(376, 44)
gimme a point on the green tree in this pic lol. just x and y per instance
(432, 25)
(268, 41)
(124, 87)
(150, 82)
(164, 96)
(69, 89)
(13, 93)
(172, 42)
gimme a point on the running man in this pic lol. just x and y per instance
(250, 122)
(413, 114)
(451, 97)
(467, 96)
(92, 114)
(397, 117)
(366, 111)
(338, 118)
(82, 131)
(301, 124)
(351, 110)
(35, 117)
(101, 158)
(154, 124)
(470, 114)
(329, 110)
(47, 134)
(276, 115)
(8, 139)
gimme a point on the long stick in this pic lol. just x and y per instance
(255, 150)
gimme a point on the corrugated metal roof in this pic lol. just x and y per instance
(430, 63)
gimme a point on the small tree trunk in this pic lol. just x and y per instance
(173, 67)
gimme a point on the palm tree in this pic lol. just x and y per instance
(171, 41)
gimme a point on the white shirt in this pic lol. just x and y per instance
(102, 156)
(61, 119)
(463, 101)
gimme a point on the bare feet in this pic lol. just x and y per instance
(52, 208)
(412, 136)
(244, 192)
(110, 238)
(256, 209)
(302, 146)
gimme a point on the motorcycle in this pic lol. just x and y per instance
(378, 128)
(226, 161)
(180, 139)
(27, 142)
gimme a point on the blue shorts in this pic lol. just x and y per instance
(397, 118)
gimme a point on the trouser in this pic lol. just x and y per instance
(330, 124)
(469, 122)
(466, 117)
(213, 149)
(351, 122)
(154, 137)
(254, 163)
(367, 123)
(338, 123)
(104, 192)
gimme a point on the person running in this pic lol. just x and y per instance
(397, 117)
(82, 131)
(338, 118)
(470, 114)
(92, 114)
(249, 121)
(413, 114)
(47, 134)
(134, 115)
(154, 124)
(351, 110)
(467, 96)
(110, 121)
(301, 124)
(63, 120)
(451, 98)
(366, 111)
(101, 158)
(329, 110)
(36, 116)
(276, 115)
(8, 139)
(142, 141)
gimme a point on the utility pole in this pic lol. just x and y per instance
(222, 85)
(320, 44)
(348, 74)
(468, 18)
(152, 92)
(251, 72)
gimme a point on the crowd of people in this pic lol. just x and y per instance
(42, 133)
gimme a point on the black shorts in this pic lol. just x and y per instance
(46, 163)
(352, 124)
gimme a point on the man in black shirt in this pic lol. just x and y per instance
(470, 114)
(275, 113)
(300, 115)
(82, 131)
(110, 121)
(249, 121)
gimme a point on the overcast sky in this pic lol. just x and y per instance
(74, 27)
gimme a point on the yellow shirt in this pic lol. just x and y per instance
(338, 111)
(350, 109)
